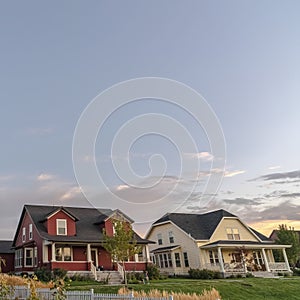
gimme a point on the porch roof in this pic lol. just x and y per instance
(164, 249)
(246, 244)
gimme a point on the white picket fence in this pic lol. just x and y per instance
(23, 292)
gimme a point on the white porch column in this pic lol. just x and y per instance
(88, 252)
(147, 253)
(221, 260)
(265, 259)
(286, 259)
(53, 252)
(136, 257)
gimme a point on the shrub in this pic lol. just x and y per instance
(43, 274)
(153, 272)
(135, 277)
(296, 272)
(204, 274)
(59, 273)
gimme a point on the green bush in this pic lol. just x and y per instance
(59, 273)
(43, 274)
(204, 274)
(296, 272)
(153, 272)
(135, 277)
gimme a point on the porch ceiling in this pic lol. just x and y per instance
(164, 249)
(246, 244)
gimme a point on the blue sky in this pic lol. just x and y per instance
(241, 56)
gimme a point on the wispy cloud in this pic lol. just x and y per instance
(71, 193)
(45, 177)
(204, 156)
(274, 167)
(277, 176)
(6, 177)
(234, 173)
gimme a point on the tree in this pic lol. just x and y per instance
(122, 244)
(288, 236)
(2, 262)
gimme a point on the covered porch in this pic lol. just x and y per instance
(88, 257)
(241, 257)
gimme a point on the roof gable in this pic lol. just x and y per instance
(61, 209)
(199, 226)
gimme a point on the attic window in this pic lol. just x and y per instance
(171, 237)
(233, 234)
(61, 227)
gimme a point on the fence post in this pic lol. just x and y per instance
(131, 294)
(171, 297)
(92, 294)
(28, 291)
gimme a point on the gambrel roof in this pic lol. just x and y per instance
(201, 226)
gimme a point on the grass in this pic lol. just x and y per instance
(230, 289)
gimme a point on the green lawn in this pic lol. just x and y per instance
(233, 289)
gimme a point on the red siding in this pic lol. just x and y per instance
(51, 224)
(135, 266)
(9, 262)
(79, 254)
(70, 266)
(109, 227)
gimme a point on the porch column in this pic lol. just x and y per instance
(88, 252)
(221, 260)
(286, 259)
(136, 257)
(147, 253)
(53, 252)
(265, 259)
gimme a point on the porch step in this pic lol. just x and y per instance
(265, 274)
(110, 277)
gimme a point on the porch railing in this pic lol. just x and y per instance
(94, 271)
(278, 266)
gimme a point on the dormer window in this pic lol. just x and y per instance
(61, 227)
(30, 231)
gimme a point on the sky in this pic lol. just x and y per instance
(60, 59)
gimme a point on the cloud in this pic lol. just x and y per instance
(204, 156)
(71, 193)
(274, 167)
(243, 201)
(45, 177)
(122, 187)
(233, 173)
(275, 176)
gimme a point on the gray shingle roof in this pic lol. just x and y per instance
(201, 226)
(87, 224)
(6, 247)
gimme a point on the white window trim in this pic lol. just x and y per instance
(25, 257)
(19, 258)
(65, 222)
(30, 232)
(24, 234)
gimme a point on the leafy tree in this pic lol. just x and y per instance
(2, 262)
(122, 244)
(288, 236)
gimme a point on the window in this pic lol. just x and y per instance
(186, 260)
(233, 234)
(30, 231)
(24, 235)
(28, 257)
(35, 257)
(164, 260)
(213, 257)
(19, 258)
(177, 260)
(171, 237)
(63, 253)
(258, 260)
(159, 239)
(61, 226)
(236, 258)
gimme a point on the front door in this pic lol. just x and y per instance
(94, 254)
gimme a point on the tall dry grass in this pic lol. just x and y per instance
(12, 280)
(212, 294)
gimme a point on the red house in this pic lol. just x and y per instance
(70, 238)
(7, 253)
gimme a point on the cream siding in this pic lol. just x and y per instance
(220, 233)
(186, 243)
